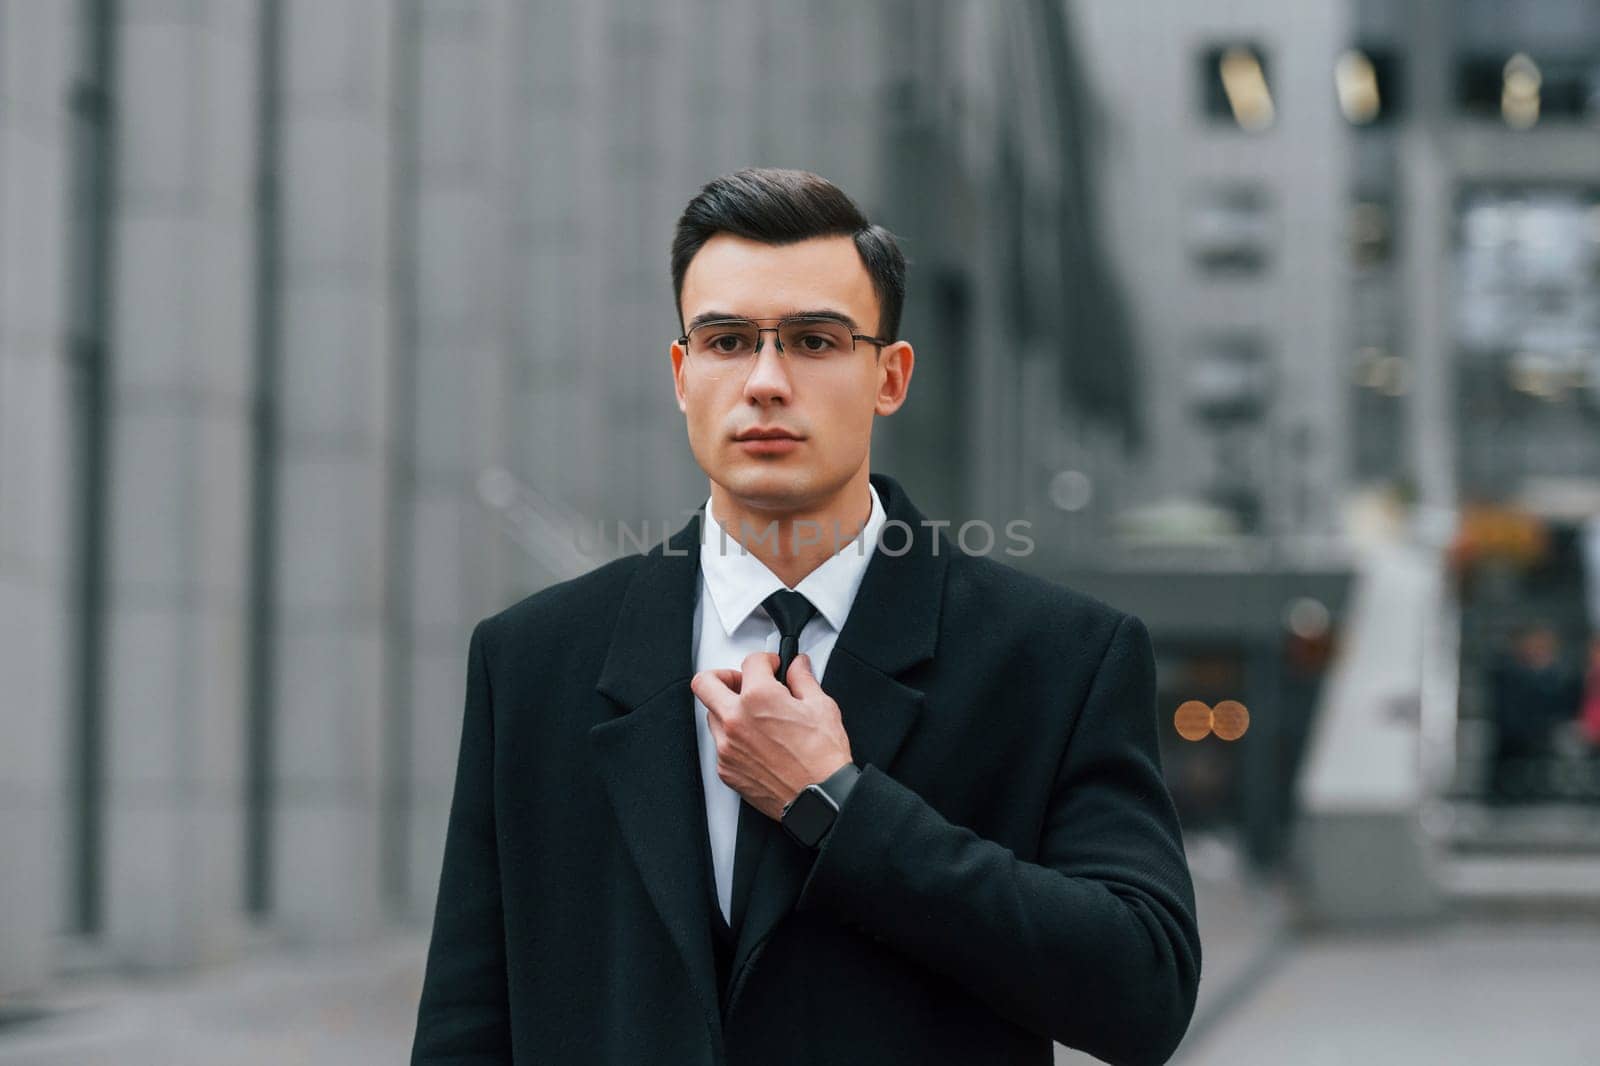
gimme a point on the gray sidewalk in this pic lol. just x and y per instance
(359, 1008)
(353, 1009)
(1524, 994)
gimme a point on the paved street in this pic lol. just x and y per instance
(354, 1010)
(1506, 994)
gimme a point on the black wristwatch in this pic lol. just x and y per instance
(808, 817)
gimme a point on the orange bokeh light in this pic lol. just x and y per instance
(1230, 719)
(1192, 720)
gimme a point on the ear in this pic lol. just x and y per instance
(894, 376)
(677, 353)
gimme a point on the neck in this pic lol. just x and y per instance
(793, 541)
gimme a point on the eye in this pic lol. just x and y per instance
(818, 341)
(727, 343)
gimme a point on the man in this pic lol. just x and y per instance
(838, 793)
(1532, 694)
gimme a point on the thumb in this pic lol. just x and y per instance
(801, 677)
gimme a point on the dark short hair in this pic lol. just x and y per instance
(783, 206)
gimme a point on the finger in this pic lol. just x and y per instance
(729, 677)
(713, 691)
(719, 739)
(801, 680)
(760, 666)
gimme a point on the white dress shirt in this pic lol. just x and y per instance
(729, 624)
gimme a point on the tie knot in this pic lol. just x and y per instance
(790, 610)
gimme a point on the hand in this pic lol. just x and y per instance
(772, 740)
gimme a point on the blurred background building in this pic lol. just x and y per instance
(328, 328)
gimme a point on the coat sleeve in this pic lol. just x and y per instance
(1095, 945)
(464, 1015)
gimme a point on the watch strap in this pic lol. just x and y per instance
(839, 783)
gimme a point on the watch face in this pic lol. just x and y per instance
(810, 816)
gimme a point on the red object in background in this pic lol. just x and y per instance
(1590, 715)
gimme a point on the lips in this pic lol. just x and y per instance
(766, 434)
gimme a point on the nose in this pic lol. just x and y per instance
(768, 377)
(761, 340)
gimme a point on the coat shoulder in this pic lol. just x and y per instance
(982, 587)
(578, 603)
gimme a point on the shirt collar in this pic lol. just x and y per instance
(738, 581)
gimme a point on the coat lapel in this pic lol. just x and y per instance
(648, 757)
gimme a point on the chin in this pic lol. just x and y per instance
(771, 479)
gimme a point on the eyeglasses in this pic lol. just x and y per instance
(729, 345)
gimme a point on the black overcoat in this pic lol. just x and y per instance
(1007, 872)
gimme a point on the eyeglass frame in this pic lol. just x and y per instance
(777, 340)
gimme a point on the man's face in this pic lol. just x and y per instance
(1540, 647)
(829, 405)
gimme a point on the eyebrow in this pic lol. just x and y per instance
(724, 316)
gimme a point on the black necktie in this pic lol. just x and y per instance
(791, 611)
